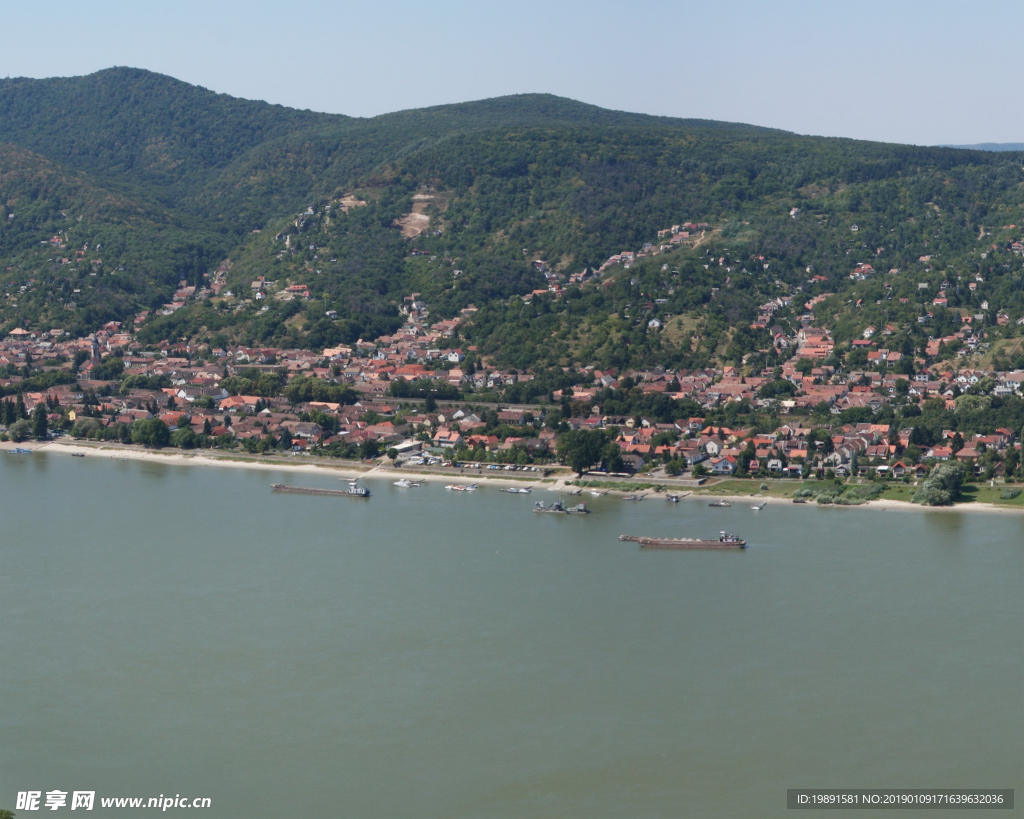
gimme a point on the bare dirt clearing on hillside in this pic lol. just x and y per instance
(413, 224)
(350, 201)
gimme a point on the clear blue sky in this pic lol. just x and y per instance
(919, 71)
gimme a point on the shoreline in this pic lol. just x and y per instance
(341, 470)
(345, 470)
(881, 504)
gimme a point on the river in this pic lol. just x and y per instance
(182, 630)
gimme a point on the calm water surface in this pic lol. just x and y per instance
(182, 630)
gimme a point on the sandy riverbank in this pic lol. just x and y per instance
(883, 504)
(706, 494)
(344, 470)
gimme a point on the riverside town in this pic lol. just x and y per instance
(412, 413)
(422, 399)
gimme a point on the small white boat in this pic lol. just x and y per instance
(513, 490)
(759, 507)
(597, 494)
(461, 487)
(357, 491)
(405, 483)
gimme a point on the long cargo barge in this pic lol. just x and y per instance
(725, 541)
(353, 490)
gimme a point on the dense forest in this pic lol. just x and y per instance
(120, 187)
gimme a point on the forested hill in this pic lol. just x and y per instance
(138, 127)
(117, 186)
(144, 129)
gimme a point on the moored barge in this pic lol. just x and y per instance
(559, 508)
(353, 491)
(724, 541)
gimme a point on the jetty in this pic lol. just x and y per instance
(724, 541)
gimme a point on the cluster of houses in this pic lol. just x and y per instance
(422, 349)
(796, 449)
(670, 238)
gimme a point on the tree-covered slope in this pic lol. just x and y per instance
(77, 253)
(240, 161)
(462, 203)
(140, 128)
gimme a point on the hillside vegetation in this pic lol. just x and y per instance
(117, 187)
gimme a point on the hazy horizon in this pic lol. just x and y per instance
(913, 73)
(982, 146)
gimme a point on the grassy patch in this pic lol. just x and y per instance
(742, 486)
(1004, 346)
(973, 493)
(899, 492)
(625, 486)
(676, 329)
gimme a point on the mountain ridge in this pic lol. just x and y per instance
(989, 146)
(503, 188)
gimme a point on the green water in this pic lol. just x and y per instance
(182, 630)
